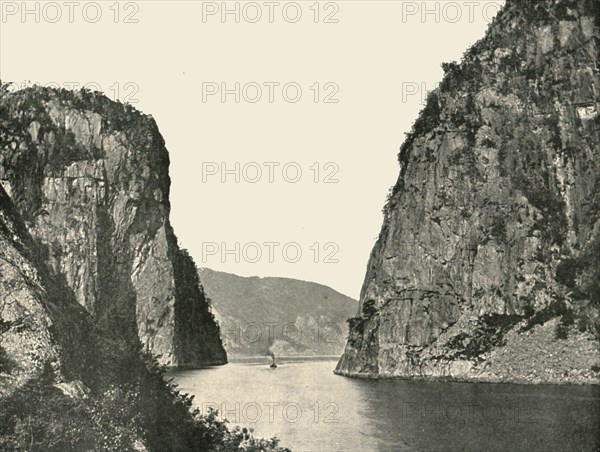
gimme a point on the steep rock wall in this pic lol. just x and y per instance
(487, 265)
(90, 179)
(40, 325)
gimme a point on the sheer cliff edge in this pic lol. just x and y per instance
(89, 179)
(487, 267)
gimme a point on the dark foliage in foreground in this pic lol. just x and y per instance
(144, 413)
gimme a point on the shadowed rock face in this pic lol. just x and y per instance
(40, 325)
(24, 322)
(90, 179)
(487, 265)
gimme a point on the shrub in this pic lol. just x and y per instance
(150, 411)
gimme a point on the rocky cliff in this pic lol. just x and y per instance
(89, 178)
(487, 266)
(92, 283)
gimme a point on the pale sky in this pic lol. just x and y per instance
(173, 59)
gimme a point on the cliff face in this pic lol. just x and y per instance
(488, 263)
(90, 179)
(24, 323)
(89, 266)
(40, 324)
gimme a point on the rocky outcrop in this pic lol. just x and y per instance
(90, 179)
(488, 263)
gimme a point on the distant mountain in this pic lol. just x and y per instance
(286, 316)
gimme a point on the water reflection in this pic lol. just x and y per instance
(311, 409)
(428, 416)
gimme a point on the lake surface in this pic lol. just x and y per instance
(310, 409)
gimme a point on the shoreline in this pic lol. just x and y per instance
(253, 360)
(440, 379)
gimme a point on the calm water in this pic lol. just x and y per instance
(310, 409)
